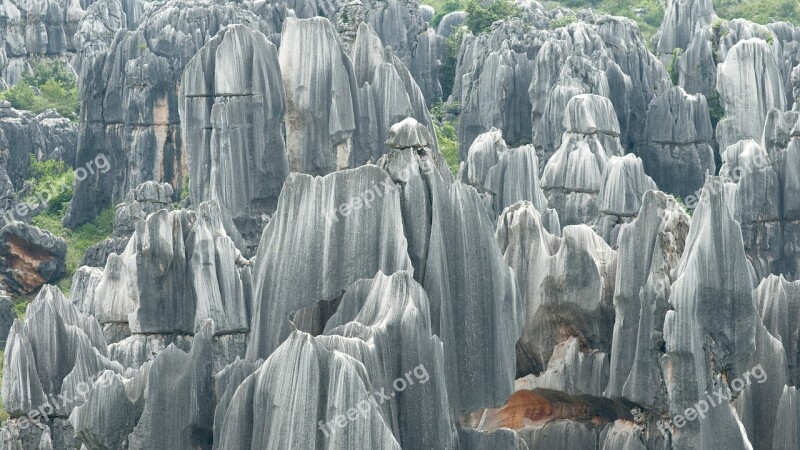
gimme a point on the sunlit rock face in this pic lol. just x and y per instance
(682, 21)
(232, 106)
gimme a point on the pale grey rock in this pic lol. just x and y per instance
(574, 174)
(321, 96)
(779, 308)
(178, 398)
(515, 178)
(483, 154)
(387, 96)
(682, 20)
(450, 23)
(426, 12)
(323, 211)
(787, 421)
(129, 95)
(408, 133)
(572, 371)
(750, 75)
(709, 332)
(232, 107)
(677, 149)
(139, 203)
(425, 63)
(393, 320)
(492, 79)
(30, 257)
(620, 198)
(650, 248)
(226, 381)
(795, 79)
(257, 416)
(543, 263)
(450, 239)
(471, 439)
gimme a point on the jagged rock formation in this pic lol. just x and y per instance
(624, 184)
(387, 95)
(30, 257)
(750, 75)
(179, 268)
(130, 99)
(492, 78)
(715, 329)
(649, 251)
(232, 106)
(450, 23)
(677, 151)
(554, 310)
(682, 21)
(43, 136)
(506, 176)
(139, 203)
(48, 368)
(779, 306)
(574, 174)
(321, 99)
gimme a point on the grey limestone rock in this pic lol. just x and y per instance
(387, 95)
(682, 20)
(393, 320)
(130, 104)
(321, 97)
(750, 75)
(555, 309)
(257, 415)
(574, 175)
(572, 371)
(650, 248)
(323, 210)
(715, 329)
(232, 106)
(450, 23)
(677, 149)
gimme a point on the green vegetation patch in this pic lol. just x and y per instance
(49, 85)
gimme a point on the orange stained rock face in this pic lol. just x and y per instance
(527, 408)
(24, 263)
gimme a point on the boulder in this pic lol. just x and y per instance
(30, 257)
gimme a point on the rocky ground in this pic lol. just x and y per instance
(251, 238)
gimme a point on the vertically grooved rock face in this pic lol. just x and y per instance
(555, 309)
(232, 106)
(321, 96)
(303, 364)
(750, 76)
(650, 248)
(682, 20)
(715, 330)
(325, 213)
(387, 95)
(129, 95)
(677, 151)
(574, 174)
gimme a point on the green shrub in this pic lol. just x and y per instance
(52, 181)
(480, 18)
(447, 71)
(562, 21)
(446, 8)
(448, 144)
(78, 240)
(49, 85)
(673, 69)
